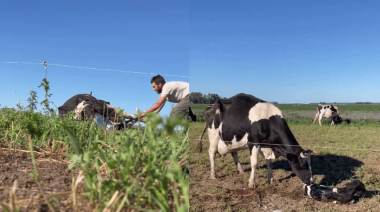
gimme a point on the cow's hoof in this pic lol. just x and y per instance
(272, 182)
(212, 177)
(251, 185)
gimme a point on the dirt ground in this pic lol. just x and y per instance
(230, 193)
(55, 180)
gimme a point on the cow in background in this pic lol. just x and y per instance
(330, 112)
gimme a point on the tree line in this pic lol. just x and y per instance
(200, 98)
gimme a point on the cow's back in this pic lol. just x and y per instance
(252, 119)
(236, 121)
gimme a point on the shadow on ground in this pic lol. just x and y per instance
(335, 168)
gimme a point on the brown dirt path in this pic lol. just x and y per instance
(55, 178)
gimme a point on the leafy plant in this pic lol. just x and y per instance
(46, 102)
(142, 167)
(32, 100)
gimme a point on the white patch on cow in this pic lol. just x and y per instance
(79, 108)
(309, 191)
(213, 135)
(263, 110)
(268, 153)
(255, 150)
(335, 190)
(328, 113)
(236, 145)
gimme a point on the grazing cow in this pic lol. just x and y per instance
(246, 122)
(330, 112)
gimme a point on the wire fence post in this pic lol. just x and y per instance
(45, 69)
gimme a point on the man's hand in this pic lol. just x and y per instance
(155, 108)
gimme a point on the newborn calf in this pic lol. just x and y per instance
(350, 193)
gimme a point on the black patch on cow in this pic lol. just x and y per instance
(217, 120)
(333, 109)
(209, 115)
(319, 108)
(337, 120)
(324, 107)
(192, 115)
(236, 122)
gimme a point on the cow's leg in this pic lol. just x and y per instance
(320, 118)
(315, 117)
(237, 163)
(254, 150)
(213, 135)
(270, 175)
(268, 155)
(332, 122)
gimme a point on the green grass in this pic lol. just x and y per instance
(142, 163)
(359, 114)
(364, 108)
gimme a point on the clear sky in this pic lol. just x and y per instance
(145, 36)
(286, 51)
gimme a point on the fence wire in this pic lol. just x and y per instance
(324, 147)
(99, 69)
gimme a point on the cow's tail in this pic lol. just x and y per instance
(200, 138)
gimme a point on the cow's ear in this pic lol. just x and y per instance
(306, 153)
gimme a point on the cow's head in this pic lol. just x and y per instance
(337, 120)
(301, 165)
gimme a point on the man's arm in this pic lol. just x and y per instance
(156, 105)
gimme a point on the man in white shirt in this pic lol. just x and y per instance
(175, 92)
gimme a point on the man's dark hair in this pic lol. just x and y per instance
(157, 80)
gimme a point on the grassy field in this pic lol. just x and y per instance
(342, 153)
(302, 114)
(47, 163)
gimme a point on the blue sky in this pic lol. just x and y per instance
(145, 36)
(286, 51)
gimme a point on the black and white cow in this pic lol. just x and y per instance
(330, 112)
(246, 122)
(348, 194)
